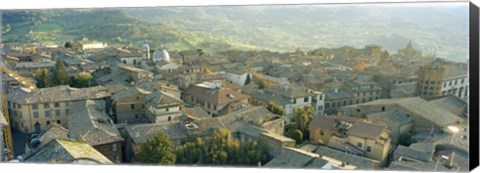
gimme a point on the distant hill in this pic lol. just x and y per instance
(431, 26)
(442, 29)
(109, 25)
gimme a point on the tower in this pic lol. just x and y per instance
(146, 50)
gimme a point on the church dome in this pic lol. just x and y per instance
(161, 55)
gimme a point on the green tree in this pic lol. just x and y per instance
(83, 80)
(200, 52)
(297, 135)
(406, 140)
(68, 44)
(221, 149)
(275, 108)
(261, 84)
(158, 150)
(302, 117)
(248, 80)
(43, 78)
(60, 74)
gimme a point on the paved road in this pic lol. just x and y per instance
(19, 141)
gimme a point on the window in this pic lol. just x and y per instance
(327, 105)
(333, 104)
(132, 106)
(351, 102)
(321, 133)
(321, 97)
(56, 104)
(57, 112)
(169, 118)
(21, 124)
(66, 111)
(456, 82)
(48, 123)
(143, 106)
(462, 81)
(359, 110)
(320, 108)
(383, 108)
(35, 114)
(114, 147)
(294, 101)
(369, 149)
(444, 84)
(46, 105)
(166, 109)
(47, 113)
(59, 122)
(138, 98)
(19, 106)
(305, 99)
(359, 145)
(432, 82)
(34, 106)
(450, 83)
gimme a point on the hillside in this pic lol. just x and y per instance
(433, 28)
(109, 25)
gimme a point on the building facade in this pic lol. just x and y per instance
(442, 78)
(34, 111)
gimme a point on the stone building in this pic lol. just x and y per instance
(426, 116)
(443, 77)
(352, 135)
(92, 125)
(34, 111)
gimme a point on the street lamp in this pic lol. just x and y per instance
(455, 130)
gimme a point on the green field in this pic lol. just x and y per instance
(48, 27)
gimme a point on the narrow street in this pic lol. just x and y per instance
(19, 141)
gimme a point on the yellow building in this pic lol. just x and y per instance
(352, 135)
(35, 111)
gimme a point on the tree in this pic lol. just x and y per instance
(221, 149)
(276, 109)
(406, 140)
(297, 135)
(261, 84)
(43, 78)
(60, 74)
(302, 117)
(83, 80)
(247, 81)
(158, 150)
(68, 44)
(200, 52)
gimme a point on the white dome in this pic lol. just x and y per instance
(161, 55)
